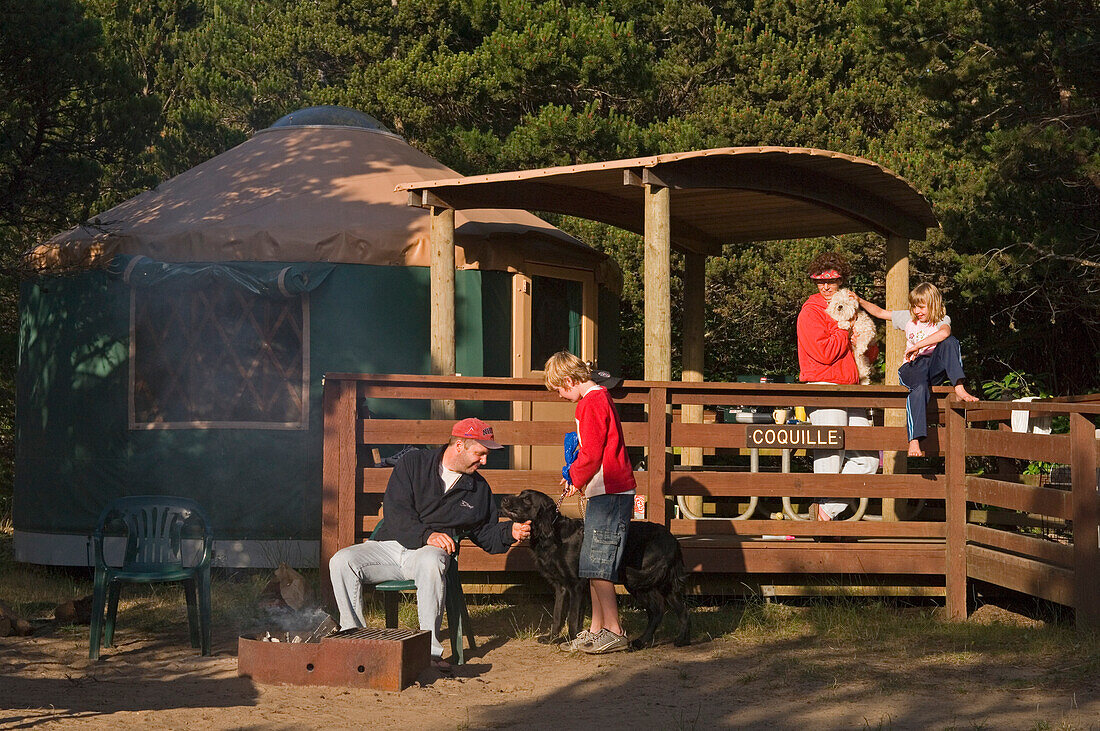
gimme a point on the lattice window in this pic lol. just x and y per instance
(218, 356)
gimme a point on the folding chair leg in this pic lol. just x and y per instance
(458, 619)
(467, 624)
(203, 586)
(389, 601)
(113, 589)
(454, 624)
(190, 594)
(99, 603)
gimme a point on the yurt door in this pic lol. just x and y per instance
(554, 309)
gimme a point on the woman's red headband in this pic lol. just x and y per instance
(827, 274)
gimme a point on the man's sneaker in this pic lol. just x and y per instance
(583, 638)
(606, 641)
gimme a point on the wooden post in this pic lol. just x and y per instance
(521, 357)
(443, 302)
(1086, 518)
(658, 318)
(897, 298)
(657, 463)
(955, 513)
(694, 320)
(658, 336)
(338, 475)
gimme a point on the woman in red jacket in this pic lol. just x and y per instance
(825, 356)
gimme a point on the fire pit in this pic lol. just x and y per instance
(382, 659)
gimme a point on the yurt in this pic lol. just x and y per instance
(177, 343)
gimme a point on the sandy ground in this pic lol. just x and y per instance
(47, 681)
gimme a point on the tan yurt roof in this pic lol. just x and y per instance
(319, 185)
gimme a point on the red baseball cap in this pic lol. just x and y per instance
(477, 430)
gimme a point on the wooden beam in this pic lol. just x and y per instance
(1086, 517)
(768, 557)
(714, 484)
(503, 482)
(733, 435)
(801, 484)
(658, 271)
(540, 433)
(1025, 575)
(803, 557)
(339, 483)
(849, 528)
(692, 356)
(685, 236)
(1039, 549)
(443, 302)
(657, 466)
(521, 359)
(621, 212)
(1017, 496)
(1016, 445)
(426, 199)
(897, 298)
(651, 177)
(955, 513)
(695, 267)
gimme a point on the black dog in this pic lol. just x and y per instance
(652, 567)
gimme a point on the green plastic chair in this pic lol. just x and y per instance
(154, 526)
(458, 618)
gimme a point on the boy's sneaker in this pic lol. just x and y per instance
(606, 641)
(582, 640)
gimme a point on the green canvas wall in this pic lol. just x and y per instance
(75, 451)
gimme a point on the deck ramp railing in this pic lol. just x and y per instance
(970, 524)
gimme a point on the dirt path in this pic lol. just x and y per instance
(159, 683)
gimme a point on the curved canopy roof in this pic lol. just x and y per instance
(311, 189)
(720, 196)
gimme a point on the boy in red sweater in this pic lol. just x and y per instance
(604, 471)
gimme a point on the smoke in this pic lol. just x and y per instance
(284, 624)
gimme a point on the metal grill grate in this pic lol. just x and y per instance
(373, 633)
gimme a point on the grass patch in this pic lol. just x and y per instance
(34, 592)
(812, 640)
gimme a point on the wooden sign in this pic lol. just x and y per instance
(794, 436)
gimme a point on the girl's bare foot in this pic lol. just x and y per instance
(914, 448)
(963, 394)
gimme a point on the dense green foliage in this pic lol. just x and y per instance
(990, 108)
(1015, 91)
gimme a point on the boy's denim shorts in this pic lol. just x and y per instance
(606, 521)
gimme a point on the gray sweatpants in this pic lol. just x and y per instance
(371, 562)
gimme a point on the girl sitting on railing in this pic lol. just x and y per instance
(932, 354)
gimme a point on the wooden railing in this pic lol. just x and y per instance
(954, 543)
(1061, 569)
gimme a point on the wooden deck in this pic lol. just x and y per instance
(949, 544)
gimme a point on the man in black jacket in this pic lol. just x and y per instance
(432, 495)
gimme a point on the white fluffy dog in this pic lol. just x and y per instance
(844, 308)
